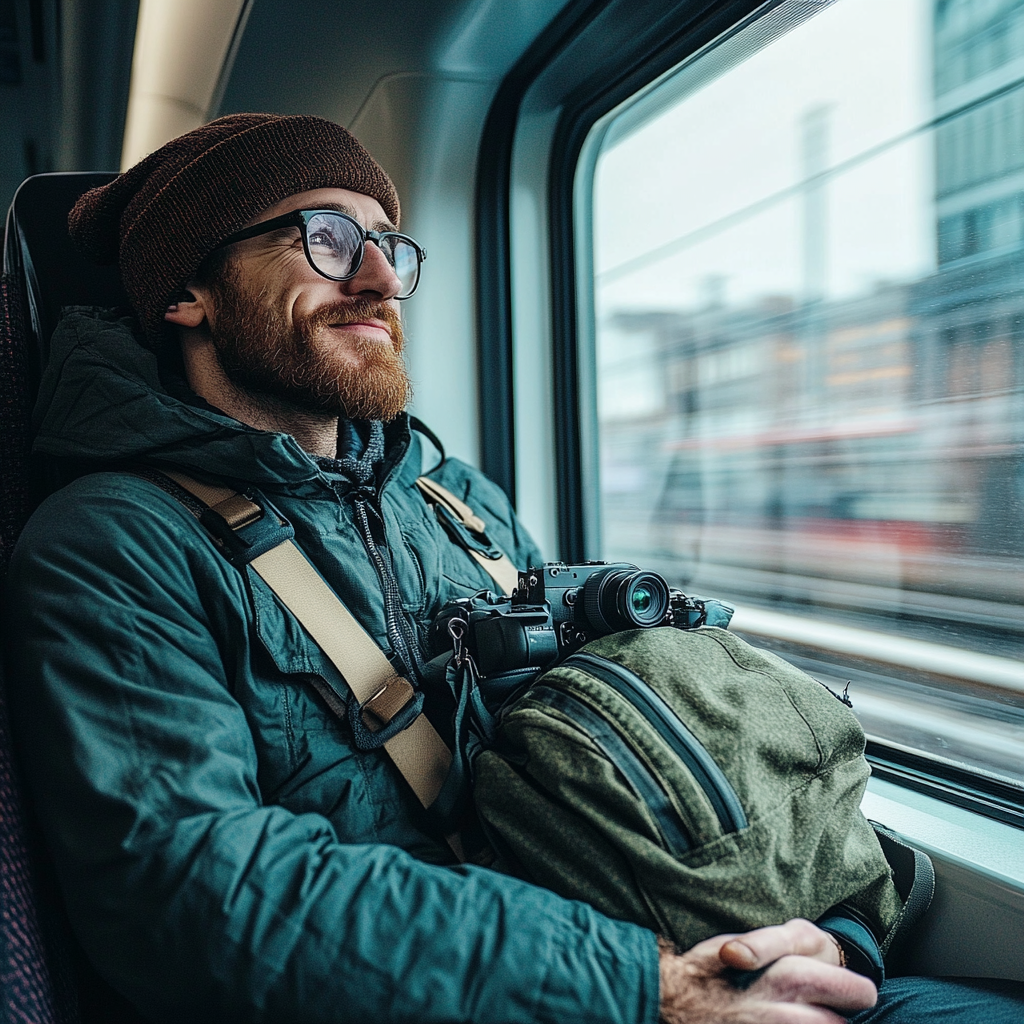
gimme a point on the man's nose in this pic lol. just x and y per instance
(375, 276)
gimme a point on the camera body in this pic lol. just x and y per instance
(555, 610)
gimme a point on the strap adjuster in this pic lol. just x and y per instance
(462, 534)
(247, 526)
(394, 707)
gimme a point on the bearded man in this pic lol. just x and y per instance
(225, 849)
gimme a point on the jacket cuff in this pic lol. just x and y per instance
(650, 992)
(605, 971)
(859, 945)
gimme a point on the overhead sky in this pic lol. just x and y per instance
(738, 141)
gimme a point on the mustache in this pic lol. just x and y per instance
(353, 312)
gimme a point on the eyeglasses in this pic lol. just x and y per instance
(334, 243)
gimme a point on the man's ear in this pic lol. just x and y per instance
(188, 307)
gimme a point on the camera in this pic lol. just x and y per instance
(555, 610)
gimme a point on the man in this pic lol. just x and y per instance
(225, 849)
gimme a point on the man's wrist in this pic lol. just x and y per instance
(671, 981)
(666, 949)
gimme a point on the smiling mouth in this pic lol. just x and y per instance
(375, 325)
(379, 324)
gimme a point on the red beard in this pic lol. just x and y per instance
(266, 356)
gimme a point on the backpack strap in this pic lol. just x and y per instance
(469, 531)
(416, 749)
(913, 874)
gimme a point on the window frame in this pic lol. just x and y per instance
(662, 34)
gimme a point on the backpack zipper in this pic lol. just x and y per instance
(646, 786)
(668, 725)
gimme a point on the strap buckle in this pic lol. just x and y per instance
(394, 707)
(247, 526)
(465, 535)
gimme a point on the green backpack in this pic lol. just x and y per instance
(687, 782)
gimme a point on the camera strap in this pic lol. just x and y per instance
(454, 513)
(383, 697)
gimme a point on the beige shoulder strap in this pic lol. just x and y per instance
(418, 751)
(501, 570)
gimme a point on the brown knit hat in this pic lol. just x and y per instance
(162, 217)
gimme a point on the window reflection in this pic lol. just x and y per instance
(810, 365)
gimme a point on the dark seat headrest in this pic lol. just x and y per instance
(53, 273)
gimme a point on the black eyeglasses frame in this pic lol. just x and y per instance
(301, 218)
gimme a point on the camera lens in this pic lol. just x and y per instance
(641, 599)
(625, 599)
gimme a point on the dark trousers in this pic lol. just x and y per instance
(946, 1001)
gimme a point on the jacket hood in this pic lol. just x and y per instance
(102, 399)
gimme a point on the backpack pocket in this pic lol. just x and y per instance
(660, 717)
(674, 831)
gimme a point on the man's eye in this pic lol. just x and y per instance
(323, 238)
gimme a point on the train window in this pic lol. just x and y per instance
(808, 354)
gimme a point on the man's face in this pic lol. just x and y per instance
(283, 331)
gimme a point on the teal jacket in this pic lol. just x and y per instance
(225, 852)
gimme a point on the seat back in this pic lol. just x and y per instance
(38, 249)
(42, 272)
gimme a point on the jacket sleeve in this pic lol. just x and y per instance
(193, 898)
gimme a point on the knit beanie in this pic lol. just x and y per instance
(163, 216)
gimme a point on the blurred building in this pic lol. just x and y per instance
(970, 314)
(979, 148)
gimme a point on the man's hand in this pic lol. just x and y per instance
(803, 980)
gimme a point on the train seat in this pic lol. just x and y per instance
(42, 273)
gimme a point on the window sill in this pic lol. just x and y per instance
(975, 927)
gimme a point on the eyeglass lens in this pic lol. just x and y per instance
(335, 243)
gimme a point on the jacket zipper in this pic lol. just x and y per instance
(409, 653)
(673, 830)
(667, 724)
